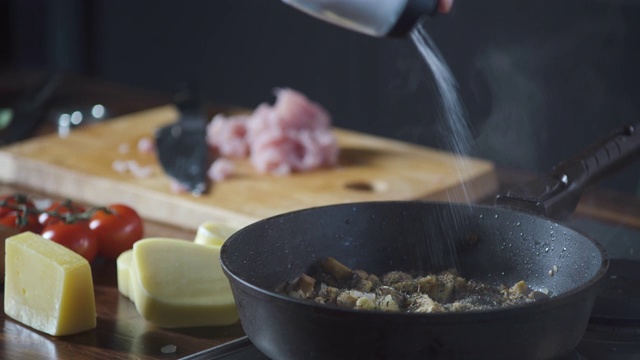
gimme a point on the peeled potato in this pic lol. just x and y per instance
(212, 233)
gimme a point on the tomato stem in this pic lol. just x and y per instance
(20, 204)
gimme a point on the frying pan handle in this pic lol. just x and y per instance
(556, 195)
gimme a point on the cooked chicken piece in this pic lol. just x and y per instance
(349, 298)
(424, 304)
(365, 303)
(336, 268)
(337, 284)
(387, 303)
(327, 294)
(386, 291)
(394, 277)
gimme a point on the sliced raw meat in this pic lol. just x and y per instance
(293, 135)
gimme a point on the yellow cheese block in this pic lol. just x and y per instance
(48, 286)
(177, 283)
(123, 266)
(211, 233)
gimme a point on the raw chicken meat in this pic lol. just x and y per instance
(133, 167)
(146, 146)
(227, 136)
(221, 169)
(293, 135)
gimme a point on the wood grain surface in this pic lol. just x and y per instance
(370, 168)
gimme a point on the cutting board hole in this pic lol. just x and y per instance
(365, 186)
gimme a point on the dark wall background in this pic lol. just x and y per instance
(540, 79)
(5, 35)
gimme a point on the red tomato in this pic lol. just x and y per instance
(13, 219)
(10, 201)
(76, 236)
(116, 229)
(61, 209)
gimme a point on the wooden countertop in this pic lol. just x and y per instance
(121, 333)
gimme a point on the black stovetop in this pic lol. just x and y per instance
(614, 329)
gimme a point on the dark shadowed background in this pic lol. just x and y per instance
(540, 79)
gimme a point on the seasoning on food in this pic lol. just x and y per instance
(336, 284)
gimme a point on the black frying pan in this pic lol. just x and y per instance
(492, 244)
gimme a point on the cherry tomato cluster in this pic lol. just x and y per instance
(100, 231)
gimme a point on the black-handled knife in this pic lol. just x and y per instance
(182, 147)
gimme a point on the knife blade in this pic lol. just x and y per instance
(182, 148)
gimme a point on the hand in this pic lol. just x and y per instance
(445, 6)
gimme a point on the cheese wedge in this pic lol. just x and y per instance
(123, 271)
(47, 286)
(177, 283)
(211, 233)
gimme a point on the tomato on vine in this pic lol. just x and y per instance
(75, 235)
(19, 212)
(59, 211)
(14, 202)
(105, 231)
(21, 221)
(117, 227)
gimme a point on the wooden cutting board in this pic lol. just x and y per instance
(79, 167)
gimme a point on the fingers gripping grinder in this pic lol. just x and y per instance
(379, 18)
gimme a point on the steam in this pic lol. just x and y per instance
(542, 84)
(509, 134)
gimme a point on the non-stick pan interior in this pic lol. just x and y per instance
(484, 243)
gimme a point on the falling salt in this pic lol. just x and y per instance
(455, 126)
